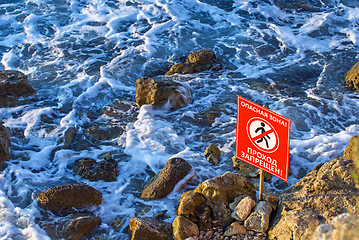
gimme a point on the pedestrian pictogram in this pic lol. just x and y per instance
(262, 138)
(262, 134)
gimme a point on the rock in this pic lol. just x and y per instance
(324, 193)
(92, 170)
(243, 209)
(192, 205)
(342, 227)
(174, 170)
(213, 154)
(352, 77)
(162, 92)
(236, 228)
(197, 61)
(79, 226)
(351, 152)
(150, 229)
(247, 170)
(4, 144)
(303, 5)
(184, 228)
(64, 198)
(221, 191)
(271, 199)
(258, 221)
(13, 84)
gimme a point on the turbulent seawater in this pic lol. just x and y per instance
(82, 55)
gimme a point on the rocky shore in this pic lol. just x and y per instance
(225, 207)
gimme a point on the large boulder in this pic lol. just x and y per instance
(165, 181)
(105, 170)
(197, 61)
(352, 77)
(13, 84)
(4, 144)
(162, 92)
(327, 191)
(150, 229)
(208, 204)
(63, 198)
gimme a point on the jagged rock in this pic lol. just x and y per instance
(4, 144)
(13, 84)
(79, 226)
(236, 228)
(324, 193)
(92, 170)
(64, 198)
(258, 221)
(150, 229)
(247, 170)
(342, 227)
(221, 191)
(243, 209)
(351, 152)
(184, 228)
(162, 92)
(192, 205)
(197, 61)
(352, 77)
(213, 154)
(174, 170)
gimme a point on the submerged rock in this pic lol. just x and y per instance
(352, 77)
(327, 191)
(174, 171)
(150, 229)
(13, 84)
(4, 144)
(197, 61)
(64, 198)
(92, 170)
(162, 92)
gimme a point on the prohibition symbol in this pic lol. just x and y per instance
(262, 135)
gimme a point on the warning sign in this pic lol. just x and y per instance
(262, 138)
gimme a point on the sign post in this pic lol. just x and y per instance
(262, 138)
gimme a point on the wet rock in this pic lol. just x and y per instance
(247, 170)
(197, 61)
(4, 144)
(324, 193)
(213, 154)
(92, 170)
(258, 221)
(184, 228)
(150, 229)
(352, 77)
(79, 226)
(162, 92)
(342, 227)
(174, 170)
(63, 198)
(221, 191)
(236, 228)
(13, 84)
(243, 209)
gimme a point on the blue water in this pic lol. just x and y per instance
(82, 55)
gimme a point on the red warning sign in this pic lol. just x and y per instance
(262, 138)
